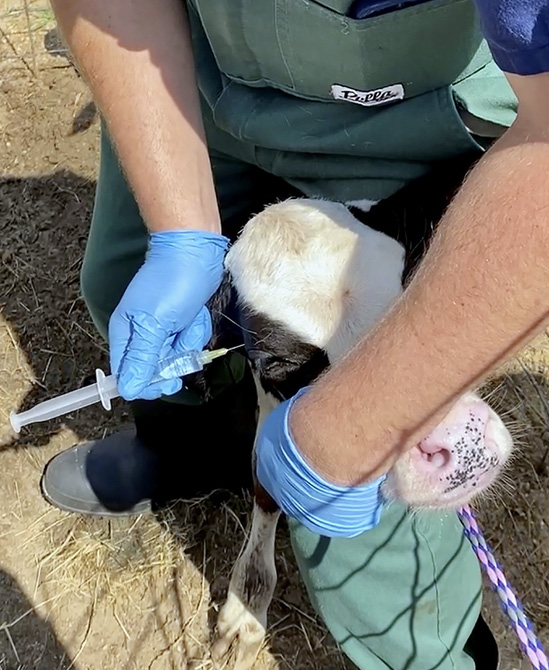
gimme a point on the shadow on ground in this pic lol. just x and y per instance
(26, 640)
(43, 224)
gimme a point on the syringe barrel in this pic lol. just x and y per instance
(180, 365)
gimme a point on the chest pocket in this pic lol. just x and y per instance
(304, 47)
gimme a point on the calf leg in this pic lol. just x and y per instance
(242, 621)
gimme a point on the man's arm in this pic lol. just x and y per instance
(136, 56)
(480, 294)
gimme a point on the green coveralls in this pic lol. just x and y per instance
(405, 595)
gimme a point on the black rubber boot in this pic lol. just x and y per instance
(176, 451)
(482, 646)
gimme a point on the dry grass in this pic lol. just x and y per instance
(515, 516)
(108, 564)
(24, 27)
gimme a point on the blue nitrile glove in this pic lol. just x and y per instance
(163, 309)
(324, 508)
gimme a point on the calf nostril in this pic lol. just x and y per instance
(438, 459)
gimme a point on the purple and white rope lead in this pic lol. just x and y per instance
(511, 606)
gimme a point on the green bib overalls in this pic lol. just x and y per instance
(296, 94)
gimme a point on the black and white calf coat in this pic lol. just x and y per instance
(308, 279)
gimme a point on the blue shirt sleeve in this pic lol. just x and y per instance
(518, 34)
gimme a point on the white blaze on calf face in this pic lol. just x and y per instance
(311, 268)
(310, 265)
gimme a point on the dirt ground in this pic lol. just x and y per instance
(88, 594)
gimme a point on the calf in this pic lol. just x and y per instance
(311, 278)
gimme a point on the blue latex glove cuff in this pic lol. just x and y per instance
(162, 311)
(324, 508)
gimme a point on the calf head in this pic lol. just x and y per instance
(311, 280)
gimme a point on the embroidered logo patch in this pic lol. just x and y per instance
(378, 96)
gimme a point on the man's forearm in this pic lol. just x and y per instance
(481, 293)
(136, 56)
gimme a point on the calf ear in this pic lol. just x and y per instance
(226, 331)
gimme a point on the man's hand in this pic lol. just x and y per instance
(162, 311)
(300, 492)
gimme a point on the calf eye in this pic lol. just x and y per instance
(284, 377)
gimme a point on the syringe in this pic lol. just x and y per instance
(105, 388)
